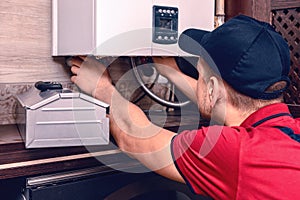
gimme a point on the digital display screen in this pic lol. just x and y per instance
(165, 23)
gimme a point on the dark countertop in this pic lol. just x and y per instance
(17, 161)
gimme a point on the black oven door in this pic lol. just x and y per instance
(105, 183)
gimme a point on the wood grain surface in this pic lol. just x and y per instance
(25, 43)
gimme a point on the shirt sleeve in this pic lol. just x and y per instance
(208, 160)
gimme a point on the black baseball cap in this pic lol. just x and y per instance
(248, 54)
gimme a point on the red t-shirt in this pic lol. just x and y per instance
(243, 162)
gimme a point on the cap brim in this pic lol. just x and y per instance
(190, 41)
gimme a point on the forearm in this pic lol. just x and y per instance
(135, 134)
(168, 68)
(130, 126)
(185, 84)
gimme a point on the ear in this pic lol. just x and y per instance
(214, 90)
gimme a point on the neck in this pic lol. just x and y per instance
(229, 115)
(235, 117)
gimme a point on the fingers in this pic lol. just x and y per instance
(73, 79)
(75, 70)
(82, 57)
(74, 61)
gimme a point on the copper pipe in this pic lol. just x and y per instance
(220, 13)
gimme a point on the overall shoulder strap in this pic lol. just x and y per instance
(285, 130)
(290, 133)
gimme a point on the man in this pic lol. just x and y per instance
(243, 70)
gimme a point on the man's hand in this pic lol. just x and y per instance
(166, 66)
(91, 77)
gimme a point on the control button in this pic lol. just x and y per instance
(166, 37)
(164, 11)
(168, 11)
(172, 38)
(159, 37)
(160, 10)
(172, 11)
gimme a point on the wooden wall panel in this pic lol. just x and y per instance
(25, 51)
(259, 9)
(25, 43)
(236, 7)
(279, 4)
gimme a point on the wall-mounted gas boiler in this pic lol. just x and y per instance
(126, 27)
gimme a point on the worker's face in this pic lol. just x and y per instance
(202, 91)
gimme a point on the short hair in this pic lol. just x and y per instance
(246, 103)
(243, 102)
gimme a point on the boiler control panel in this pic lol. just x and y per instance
(165, 25)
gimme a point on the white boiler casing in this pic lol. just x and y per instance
(126, 27)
